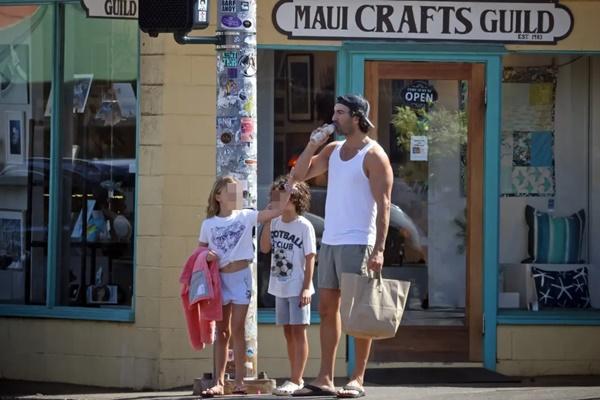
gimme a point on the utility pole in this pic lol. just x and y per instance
(236, 124)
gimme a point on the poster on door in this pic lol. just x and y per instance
(418, 148)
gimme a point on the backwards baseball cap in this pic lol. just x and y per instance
(358, 105)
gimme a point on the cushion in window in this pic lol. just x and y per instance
(562, 289)
(554, 240)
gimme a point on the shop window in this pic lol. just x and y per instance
(297, 93)
(549, 191)
(25, 76)
(99, 166)
(94, 194)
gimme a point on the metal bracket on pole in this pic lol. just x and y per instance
(183, 38)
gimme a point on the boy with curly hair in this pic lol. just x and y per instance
(291, 239)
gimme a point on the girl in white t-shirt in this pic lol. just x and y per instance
(227, 232)
(291, 239)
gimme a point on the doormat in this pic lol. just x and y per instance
(419, 376)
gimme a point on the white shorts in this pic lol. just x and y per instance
(236, 287)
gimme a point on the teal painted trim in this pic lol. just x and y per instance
(79, 313)
(55, 184)
(425, 48)
(343, 72)
(555, 52)
(138, 139)
(357, 73)
(491, 208)
(266, 316)
(286, 47)
(572, 318)
(350, 355)
(360, 58)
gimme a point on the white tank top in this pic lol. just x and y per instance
(350, 209)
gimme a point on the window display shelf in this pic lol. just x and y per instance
(114, 313)
(549, 317)
(267, 316)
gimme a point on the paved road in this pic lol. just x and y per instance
(562, 389)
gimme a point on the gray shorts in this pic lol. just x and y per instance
(289, 312)
(335, 259)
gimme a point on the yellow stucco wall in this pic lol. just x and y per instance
(81, 352)
(548, 350)
(177, 168)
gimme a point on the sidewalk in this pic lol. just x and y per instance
(554, 388)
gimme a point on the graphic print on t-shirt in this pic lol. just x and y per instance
(227, 237)
(284, 242)
(282, 267)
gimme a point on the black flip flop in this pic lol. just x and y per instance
(360, 392)
(313, 391)
(209, 394)
(239, 390)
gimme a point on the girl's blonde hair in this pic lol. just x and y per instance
(213, 207)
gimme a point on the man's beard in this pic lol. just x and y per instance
(340, 131)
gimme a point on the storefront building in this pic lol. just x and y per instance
(108, 150)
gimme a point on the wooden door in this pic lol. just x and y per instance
(436, 238)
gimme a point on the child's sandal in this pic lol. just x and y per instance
(212, 392)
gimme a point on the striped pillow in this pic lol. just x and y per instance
(554, 240)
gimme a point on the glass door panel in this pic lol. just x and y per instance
(424, 118)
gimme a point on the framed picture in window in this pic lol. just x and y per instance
(300, 80)
(14, 74)
(12, 240)
(15, 137)
(82, 84)
(81, 90)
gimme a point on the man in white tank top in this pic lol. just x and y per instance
(357, 212)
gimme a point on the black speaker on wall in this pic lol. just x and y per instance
(166, 16)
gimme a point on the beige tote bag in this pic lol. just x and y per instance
(371, 306)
